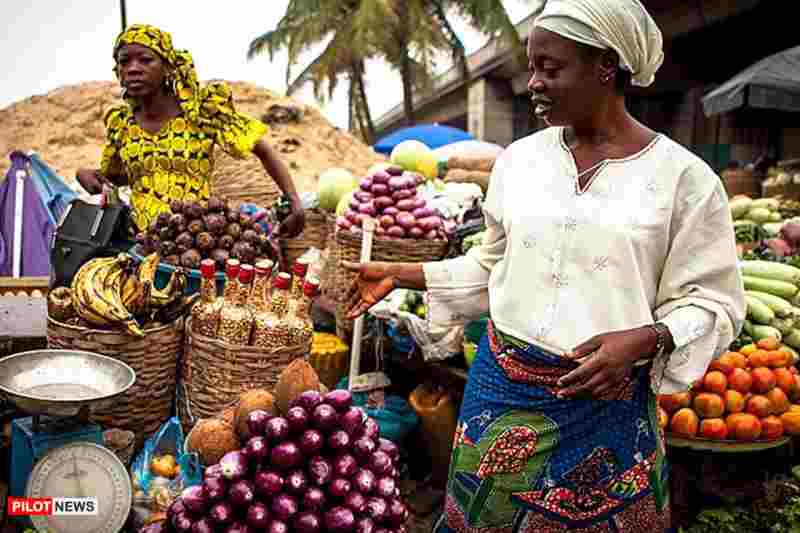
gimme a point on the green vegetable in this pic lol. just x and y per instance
(333, 184)
(775, 217)
(770, 270)
(793, 339)
(739, 207)
(781, 307)
(770, 204)
(784, 325)
(747, 327)
(769, 286)
(762, 332)
(758, 214)
(758, 310)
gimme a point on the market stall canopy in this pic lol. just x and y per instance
(432, 135)
(772, 83)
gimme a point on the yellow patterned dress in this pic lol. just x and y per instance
(175, 163)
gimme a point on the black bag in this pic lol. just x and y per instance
(87, 231)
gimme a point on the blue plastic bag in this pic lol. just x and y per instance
(396, 418)
(153, 493)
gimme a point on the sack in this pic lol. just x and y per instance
(153, 490)
(87, 231)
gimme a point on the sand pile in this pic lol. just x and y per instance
(65, 128)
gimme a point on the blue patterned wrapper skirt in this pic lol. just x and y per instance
(525, 461)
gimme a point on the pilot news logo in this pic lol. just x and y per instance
(52, 506)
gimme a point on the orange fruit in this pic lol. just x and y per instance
(779, 359)
(748, 349)
(715, 381)
(713, 428)
(759, 406)
(768, 343)
(791, 421)
(763, 379)
(709, 405)
(744, 426)
(771, 427)
(721, 365)
(758, 358)
(740, 380)
(779, 400)
(739, 359)
(672, 402)
(784, 379)
(734, 401)
(684, 422)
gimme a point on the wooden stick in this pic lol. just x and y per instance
(358, 327)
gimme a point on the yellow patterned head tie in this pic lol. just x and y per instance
(182, 75)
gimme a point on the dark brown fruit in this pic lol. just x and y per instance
(193, 210)
(185, 240)
(226, 242)
(141, 237)
(234, 230)
(152, 244)
(191, 259)
(176, 206)
(215, 223)
(219, 256)
(154, 227)
(173, 260)
(245, 220)
(216, 205)
(250, 236)
(244, 252)
(169, 248)
(177, 220)
(233, 215)
(163, 219)
(166, 234)
(206, 241)
(196, 226)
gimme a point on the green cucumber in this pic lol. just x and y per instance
(781, 306)
(793, 339)
(784, 325)
(747, 327)
(769, 286)
(771, 270)
(762, 332)
(758, 311)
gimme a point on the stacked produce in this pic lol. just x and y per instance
(744, 396)
(772, 302)
(256, 308)
(390, 196)
(759, 211)
(194, 231)
(296, 461)
(789, 208)
(414, 302)
(112, 292)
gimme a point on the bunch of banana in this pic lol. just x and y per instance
(97, 293)
(172, 292)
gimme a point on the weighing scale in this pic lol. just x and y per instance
(57, 452)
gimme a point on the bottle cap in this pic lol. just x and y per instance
(264, 266)
(282, 280)
(300, 268)
(232, 268)
(310, 287)
(246, 273)
(208, 268)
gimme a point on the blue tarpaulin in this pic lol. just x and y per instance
(432, 135)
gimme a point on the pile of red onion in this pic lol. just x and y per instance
(390, 196)
(321, 467)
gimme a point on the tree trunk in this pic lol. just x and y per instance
(350, 102)
(408, 89)
(362, 94)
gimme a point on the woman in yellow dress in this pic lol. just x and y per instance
(161, 141)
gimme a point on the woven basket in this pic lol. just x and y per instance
(215, 373)
(327, 281)
(243, 181)
(315, 235)
(388, 250)
(155, 357)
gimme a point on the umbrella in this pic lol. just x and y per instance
(772, 83)
(432, 135)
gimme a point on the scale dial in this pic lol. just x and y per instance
(82, 469)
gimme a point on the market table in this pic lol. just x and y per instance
(702, 468)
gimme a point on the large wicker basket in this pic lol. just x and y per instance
(319, 226)
(214, 373)
(154, 358)
(348, 248)
(243, 181)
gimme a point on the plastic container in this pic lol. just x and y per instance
(165, 270)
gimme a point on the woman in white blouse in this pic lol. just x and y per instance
(610, 273)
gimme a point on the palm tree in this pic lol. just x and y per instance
(309, 23)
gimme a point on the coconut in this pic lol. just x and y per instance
(295, 379)
(212, 438)
(249, 401)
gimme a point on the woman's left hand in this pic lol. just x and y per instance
(293, 225)
(606, 362)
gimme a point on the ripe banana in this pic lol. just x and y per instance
(83, 296)
(148, 268)
(133, 295)
(172, 291)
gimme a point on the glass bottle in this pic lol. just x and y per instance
(259, 296)
(205, 314)
(299, 270)
(301, 327)
(270, 326)
(232, 267)
(236, 318)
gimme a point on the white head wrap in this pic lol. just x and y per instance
(621, 25)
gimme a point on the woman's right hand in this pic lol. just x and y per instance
(374, 282)
(91, 180)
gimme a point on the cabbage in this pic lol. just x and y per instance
(333, 184)
(407, 154)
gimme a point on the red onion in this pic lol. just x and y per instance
(382, 202)
(397, 182)
(430, 223)
(362, 196)
(386, 221)
(342, 222)
(366, 184)
(381, 177)
(283, 507)
(406, 220)
(419, 201)
(393, 211)
(395, 170)
(416, 233)
(432, 235)
(423, 212)
(380, 189)
(351, 215)
(368, 208)
(354, 203)
(402, 194)
(405, 205)
(314, 499)
(396, 231)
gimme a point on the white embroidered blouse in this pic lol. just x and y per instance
(649, 238)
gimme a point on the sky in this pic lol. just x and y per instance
(50, 43)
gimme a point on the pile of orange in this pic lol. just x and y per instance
(744, 396)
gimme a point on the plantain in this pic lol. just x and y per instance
(59, 304)
(173, 290)
(148, 268)
(83, 294)
(133, 293)
(177, 308)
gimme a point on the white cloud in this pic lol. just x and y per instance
(50, 43)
